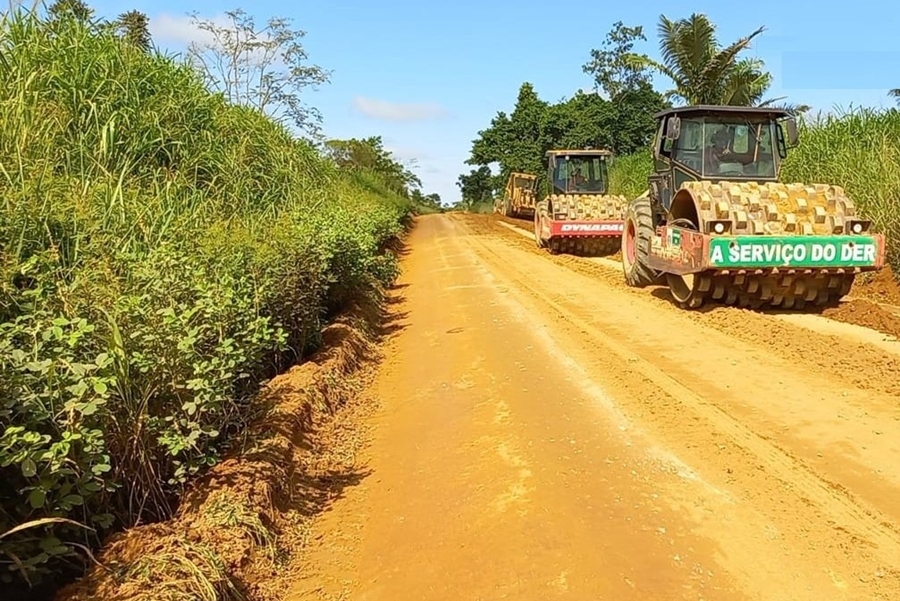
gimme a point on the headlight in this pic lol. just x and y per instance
(857, 226)
(719, 227)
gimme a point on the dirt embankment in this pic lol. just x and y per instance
(874, 303)
(238, 528)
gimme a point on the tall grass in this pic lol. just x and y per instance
(857, 149)
(162, 253)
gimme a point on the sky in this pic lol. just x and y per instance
(428, 76)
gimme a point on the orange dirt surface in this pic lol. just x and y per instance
(869, 314)
(541, 431)
(873, 302)
(527, 224)
(880, 287)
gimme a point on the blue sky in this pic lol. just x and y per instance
(427, 77)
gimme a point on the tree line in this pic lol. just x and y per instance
(618, 114)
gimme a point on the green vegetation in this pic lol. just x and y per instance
(703, 72)
(859, 150)
(163, 251)
(619, 119)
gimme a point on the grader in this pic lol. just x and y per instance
(578, 215)
(717, 225)
(518, 197)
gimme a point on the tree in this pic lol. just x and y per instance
(705, 73)
(477, 186)
(634, 124)
(514, 141)
(519, 141)
(583, 120)
(263, 68)
(369, 155)
(895, 94)
(134, 28)
(612, 71)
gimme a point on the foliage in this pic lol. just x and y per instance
(895, 94)
(162, 253)
(513, 141)
(369, 154)
(477, 187)
(702, 71)
(628, 175)
(426, 202)
(134, 28)
(264, 68)
(520, 141)
(612, 71)
(77, 9)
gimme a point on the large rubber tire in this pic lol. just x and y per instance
(538, 215)
(636, 245)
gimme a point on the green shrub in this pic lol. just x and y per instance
(161, 255)
(628, 174)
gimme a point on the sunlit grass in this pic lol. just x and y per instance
(162, 254)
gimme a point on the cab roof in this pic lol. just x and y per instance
(712, 109)
(580, 151)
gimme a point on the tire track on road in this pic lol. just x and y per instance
(847, 512)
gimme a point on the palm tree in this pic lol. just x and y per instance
(704, 73)
(895, 93)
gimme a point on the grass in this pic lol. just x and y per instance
(162, 254)
(857, 149)
(193, 573)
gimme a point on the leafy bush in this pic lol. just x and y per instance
(162, 253)
(628, 174)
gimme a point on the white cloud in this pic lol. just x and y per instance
(178, 32)
(169, 29)
(392, 111)
(180, 29)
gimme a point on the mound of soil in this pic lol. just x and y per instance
(881, 287)
(862, 312)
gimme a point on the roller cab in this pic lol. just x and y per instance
(577, 214)
(717, 225)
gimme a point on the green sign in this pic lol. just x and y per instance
(792, 251)
(674, 237)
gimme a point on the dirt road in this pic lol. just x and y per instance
(545, 432)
